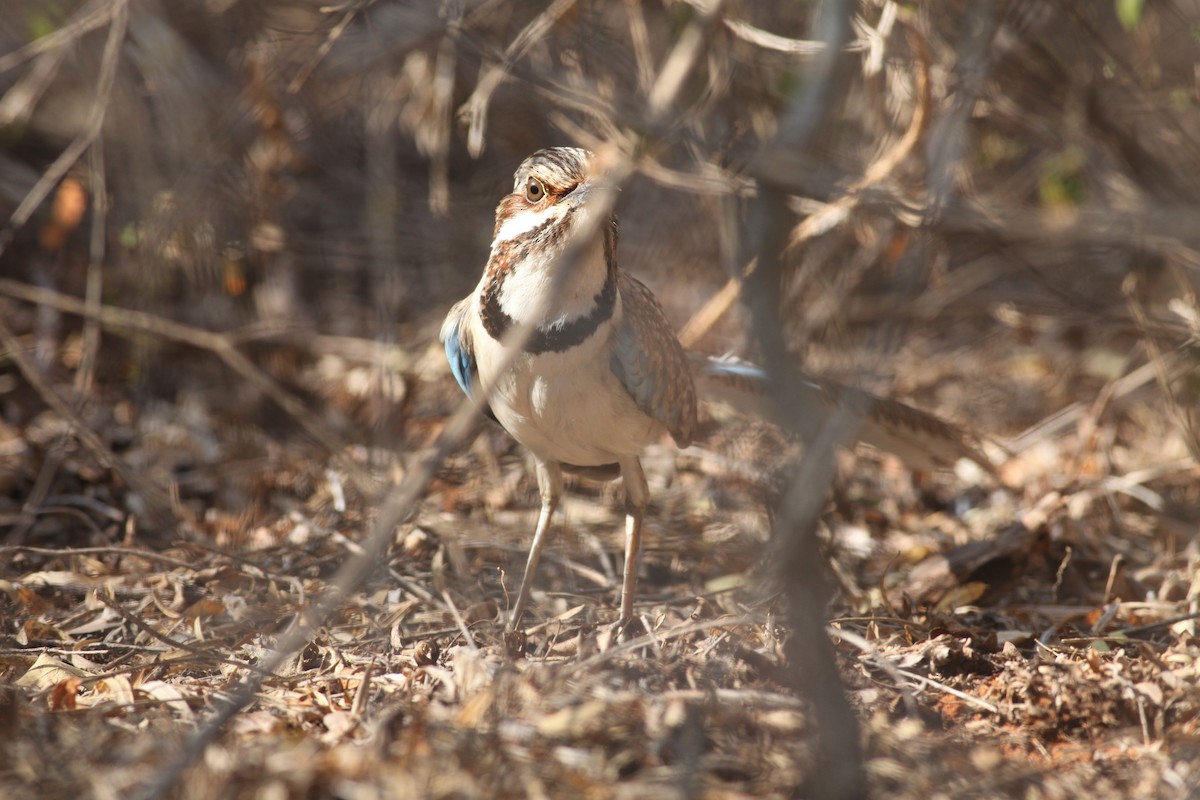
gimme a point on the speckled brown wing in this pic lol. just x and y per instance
(651, 363)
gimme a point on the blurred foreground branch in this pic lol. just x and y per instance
(839, 775)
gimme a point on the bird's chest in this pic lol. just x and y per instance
(568, 407)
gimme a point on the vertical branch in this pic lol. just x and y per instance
(382, 194)
(948, 137)
(814, 670)
(95, 272)
(443, 97)
(90, 136)
(639, 37)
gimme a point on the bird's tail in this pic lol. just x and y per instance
(921, 439)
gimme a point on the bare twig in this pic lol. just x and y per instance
(128, 321)
(978, 702)
(66, 552)
(208, 654)
(94, 15)
(95, 275)
(457, 616)
(1179, 411)
(773, 41)
(640, 39)
(305, 72)
(884, 663)
(475, 109)
(95, 123)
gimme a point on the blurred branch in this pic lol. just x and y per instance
(339, 29)
(1182, 412)
(882, 168)
(785, 168)
(475, 109)
(55, 172)
(639, 37)
(772, 41)
(678, 64)
(93, 15)
(814, 674)
(22, 97)
(129, 321)
(95, 273)
(443, 114)
(1158, 226)
(949, 137)
(1071, 416)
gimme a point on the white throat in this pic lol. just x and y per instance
(535, 283)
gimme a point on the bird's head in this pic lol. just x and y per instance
(556, 193)
(553, 191)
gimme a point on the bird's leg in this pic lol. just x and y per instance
(637, 496)
(550, 486)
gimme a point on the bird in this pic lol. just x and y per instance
(601, 373)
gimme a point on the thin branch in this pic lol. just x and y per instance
(95, 274)
(65, 552)
(639, 37)
(157, 499)
(128, 321)
(883, 662)
(782, 44)
(94, 15)
(199, 652)
(475, 109)
(95, 123)
(978, 702)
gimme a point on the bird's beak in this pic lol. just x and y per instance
(589, 191)
(579, 195)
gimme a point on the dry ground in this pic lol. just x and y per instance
(280, 200)
(994, 642)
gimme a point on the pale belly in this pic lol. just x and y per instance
(570, 407)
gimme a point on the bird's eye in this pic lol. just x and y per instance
(534, 191)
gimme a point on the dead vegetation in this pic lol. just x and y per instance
(247, 552)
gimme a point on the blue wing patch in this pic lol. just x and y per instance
(462, 364)
(460, 353)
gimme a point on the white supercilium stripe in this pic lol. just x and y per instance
(520, 224)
